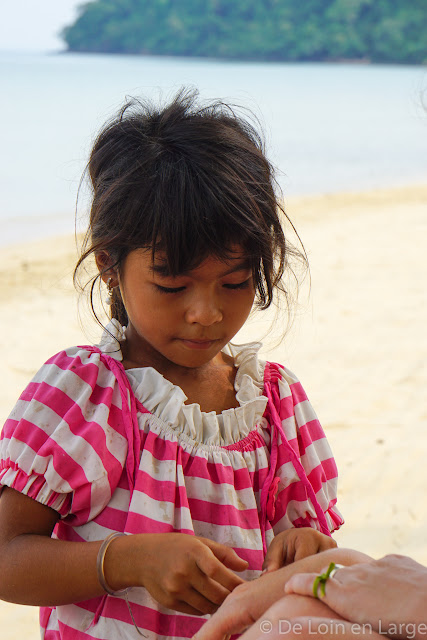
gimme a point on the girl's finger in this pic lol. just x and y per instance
(226, 555)
(211, 590)
(184, 607)
(307, 547)
(212, 568)
(275, 556)
(200, 602)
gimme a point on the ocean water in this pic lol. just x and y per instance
(328, 127)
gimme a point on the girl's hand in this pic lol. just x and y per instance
(295, 544)
(182, 572)
(188, 573)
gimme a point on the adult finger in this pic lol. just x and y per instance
(275, 621)
(232, 617)
(302, 584)
(221, 624)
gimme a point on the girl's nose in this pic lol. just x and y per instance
(204, 310)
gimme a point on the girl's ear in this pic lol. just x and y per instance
(103, 262)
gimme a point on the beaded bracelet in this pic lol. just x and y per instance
(101, 575)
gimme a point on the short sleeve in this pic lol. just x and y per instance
(306, 467)
(64, 443)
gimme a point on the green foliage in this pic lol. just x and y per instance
(375, 30)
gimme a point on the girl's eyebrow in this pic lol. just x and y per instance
(243, 265)
(162, 269)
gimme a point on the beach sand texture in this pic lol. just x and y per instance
(357, 344)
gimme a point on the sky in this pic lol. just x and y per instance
(34, 25)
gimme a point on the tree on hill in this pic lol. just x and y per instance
(375, 30)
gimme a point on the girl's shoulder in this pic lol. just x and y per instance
(74, 387)
(264, 372)
(92, 365)
(68, 428)
(285, 379)
(75, 368)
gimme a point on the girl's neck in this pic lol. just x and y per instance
(211, 386)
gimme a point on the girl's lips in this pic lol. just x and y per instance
(197, 344)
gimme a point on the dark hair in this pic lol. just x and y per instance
(191, 180)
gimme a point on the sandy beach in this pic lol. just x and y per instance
(357, 344)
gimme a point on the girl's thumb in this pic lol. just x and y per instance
(269, 566)
(233, 561)
(273, 558)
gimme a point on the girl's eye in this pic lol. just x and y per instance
(169, 289)
(238, 285)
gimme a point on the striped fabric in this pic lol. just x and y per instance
(119, 451)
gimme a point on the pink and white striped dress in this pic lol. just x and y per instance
(115, 450)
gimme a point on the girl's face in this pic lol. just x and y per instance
(185, 319)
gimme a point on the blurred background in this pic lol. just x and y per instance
(332, 121)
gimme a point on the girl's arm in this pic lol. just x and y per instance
(186, 573)
(34, 569)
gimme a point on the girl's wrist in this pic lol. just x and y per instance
(119, 566)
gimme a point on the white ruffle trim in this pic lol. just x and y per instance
(167, 401)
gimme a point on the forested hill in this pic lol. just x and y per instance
(288, 30)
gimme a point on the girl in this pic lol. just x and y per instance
(175, 456)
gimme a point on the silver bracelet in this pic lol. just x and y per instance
(101, 575)
(100, 563)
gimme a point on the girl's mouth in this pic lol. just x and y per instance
(197, 344)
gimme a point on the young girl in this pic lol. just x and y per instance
(145, 478)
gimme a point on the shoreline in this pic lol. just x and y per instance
(357, 344)
(63, 224)
(365, 61)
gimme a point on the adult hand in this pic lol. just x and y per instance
(385, 593)
(295, 544)
(304, 623)
(249, 601)
(289, 617)
(187, 573)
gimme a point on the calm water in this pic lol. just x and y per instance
(328, 127)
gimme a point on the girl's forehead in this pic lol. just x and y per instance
(236, 259)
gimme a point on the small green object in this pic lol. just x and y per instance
(322, 580)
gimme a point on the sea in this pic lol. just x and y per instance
(327, 127)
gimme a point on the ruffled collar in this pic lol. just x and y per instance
(167, 401)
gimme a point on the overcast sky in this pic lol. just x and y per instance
(33, 25)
